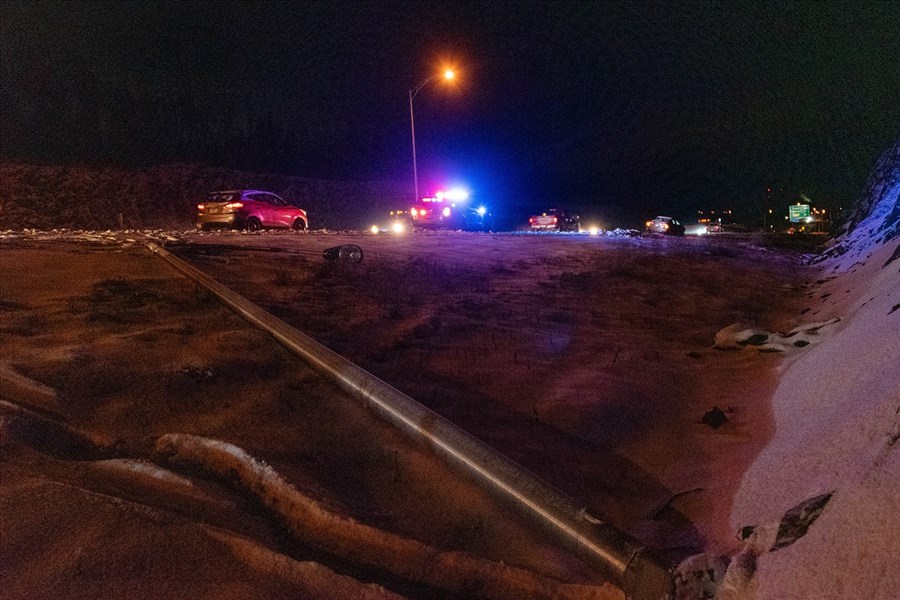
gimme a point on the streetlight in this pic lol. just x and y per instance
(449, 75)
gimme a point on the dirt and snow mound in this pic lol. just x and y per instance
(454, 571)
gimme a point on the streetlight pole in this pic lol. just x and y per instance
(448, 74)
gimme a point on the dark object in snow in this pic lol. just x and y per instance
(757, 339)
(746, 531)
(893, 257)
(796, 522)
(893, 308)
(801, 343)
(346, 253)
(715, 417)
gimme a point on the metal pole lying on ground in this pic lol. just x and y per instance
(621, 558)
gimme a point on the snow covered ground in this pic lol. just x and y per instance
(587, 359)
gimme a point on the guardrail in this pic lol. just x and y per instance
(619, 557)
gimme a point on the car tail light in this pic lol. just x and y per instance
(201, 207)
(531, 220)
(554, 219)
(414, 212)
(234, 205)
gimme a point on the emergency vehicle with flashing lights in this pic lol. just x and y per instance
(450, 209)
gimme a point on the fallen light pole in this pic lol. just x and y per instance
(620, 558)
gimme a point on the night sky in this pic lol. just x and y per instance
(623, 108)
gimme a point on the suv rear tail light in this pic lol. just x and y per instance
(554, 219)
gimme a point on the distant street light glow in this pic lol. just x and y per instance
(449, 74)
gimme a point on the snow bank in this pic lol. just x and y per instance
(837, 415)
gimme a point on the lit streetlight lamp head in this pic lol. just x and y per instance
(449, 74)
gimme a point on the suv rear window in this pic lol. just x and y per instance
(222, 197)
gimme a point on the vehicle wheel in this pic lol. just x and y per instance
(347, 253)
(253, 224)
(351, 253)
(299, 225)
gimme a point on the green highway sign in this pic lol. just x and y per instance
(798, 212)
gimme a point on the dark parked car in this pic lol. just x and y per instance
(555, 220)
(665, 226)
(249, 209)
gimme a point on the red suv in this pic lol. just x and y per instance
(249, 209)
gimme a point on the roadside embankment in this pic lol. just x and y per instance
(832, 466)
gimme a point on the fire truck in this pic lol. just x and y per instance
(451, 209)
